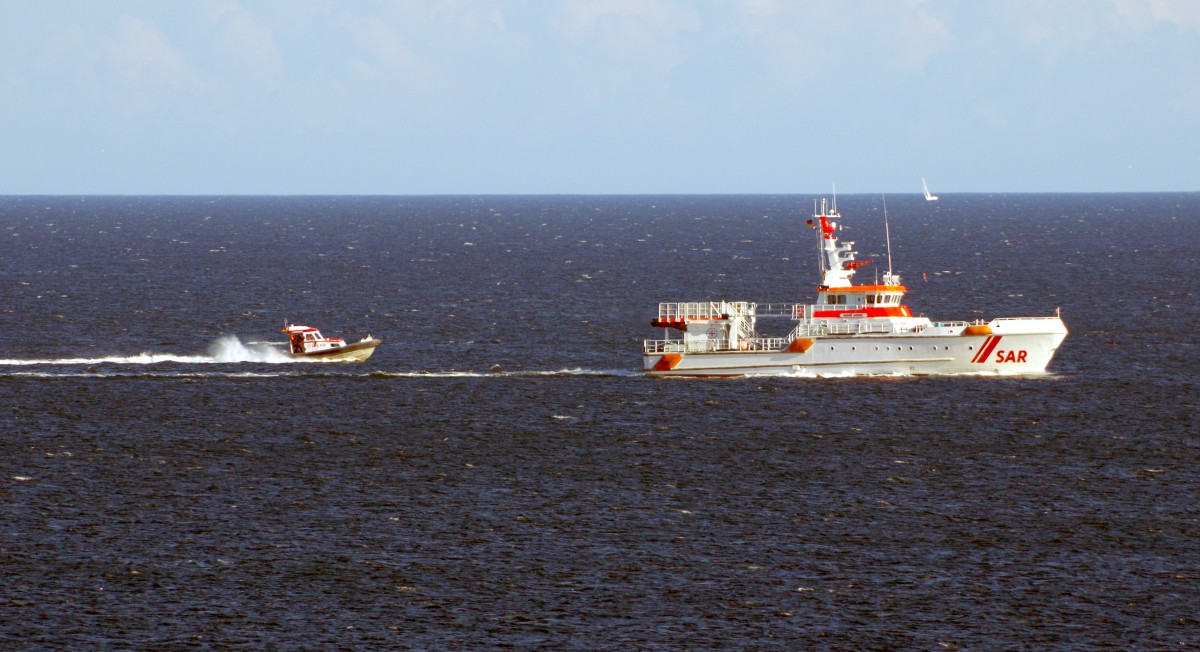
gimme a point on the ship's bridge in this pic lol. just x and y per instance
(863, 300)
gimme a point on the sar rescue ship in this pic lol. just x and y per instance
(850, 330)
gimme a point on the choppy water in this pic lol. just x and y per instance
(499, 474)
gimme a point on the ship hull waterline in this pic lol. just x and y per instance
(1027, 353)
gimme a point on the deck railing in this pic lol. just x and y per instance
(702, 309)
(788, 310)
(819, 328)
(712, 346)
(682, 346)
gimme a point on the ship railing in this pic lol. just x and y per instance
(702, 309)
(769, 343)
(821, 328)
(683, 346)
(657, 346)
(714, 346)
(788, 310)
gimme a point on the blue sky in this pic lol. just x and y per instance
(598, 97)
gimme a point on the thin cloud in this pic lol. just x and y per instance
(1143, 15)
(141, 69)
(645, 30)
(249, 48)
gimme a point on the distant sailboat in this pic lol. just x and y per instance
(928, 196)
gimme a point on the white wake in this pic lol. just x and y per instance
(226, 349)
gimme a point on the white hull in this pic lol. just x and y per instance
(850, 330)
(306, 343)
(1016, 346)
(356, 352)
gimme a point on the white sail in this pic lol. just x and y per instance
(928, 195)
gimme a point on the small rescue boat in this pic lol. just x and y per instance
(850, 330)
(306, 342)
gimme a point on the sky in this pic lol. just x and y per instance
(430, 97)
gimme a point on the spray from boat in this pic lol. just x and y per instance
(226, 349)
(231, 349)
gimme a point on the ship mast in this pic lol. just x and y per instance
(889, 278)
(820, 238)
(838, 256)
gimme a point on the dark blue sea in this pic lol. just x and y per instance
(501, 476)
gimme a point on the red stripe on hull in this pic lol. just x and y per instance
(988, 345)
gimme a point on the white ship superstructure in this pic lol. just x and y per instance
(850, 330)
